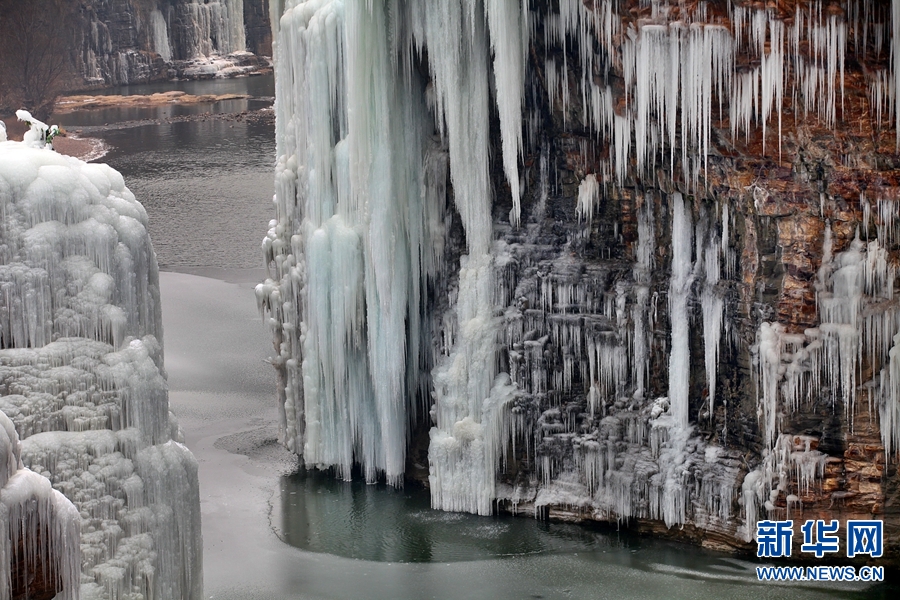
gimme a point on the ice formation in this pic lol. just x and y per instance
(410, 285)
(160, 35)
(144, 40)
(41, 527)
(81, 372)
(215, 26)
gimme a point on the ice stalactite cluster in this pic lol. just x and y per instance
(629, 455)
(416, 262)
(81, 372)
(213, 27)
(131, 41)
(40, 531)
(858, 318)
(349, 292)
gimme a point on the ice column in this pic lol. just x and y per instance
(359, 197)
(711, 304)
(509, 40)
(160, 35)
(468, 402)
(642, 278)
(679, 293)
(82, 378)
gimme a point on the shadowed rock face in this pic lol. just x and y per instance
(782, 190)
(259, 30)
(34, 574)
(128, 41)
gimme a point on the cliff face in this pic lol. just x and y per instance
(786, 350)
(126, 41)
(259, 29)
(651, 274)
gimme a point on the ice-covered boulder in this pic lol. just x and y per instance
(81, 372)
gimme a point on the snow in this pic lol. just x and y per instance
(81, 372)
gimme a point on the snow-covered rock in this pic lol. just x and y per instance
(81, 372)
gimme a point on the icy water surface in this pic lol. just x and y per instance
(205, 177)
(318, 513)
(375, 522)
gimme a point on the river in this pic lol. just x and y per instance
(270, 532)
(204, 175)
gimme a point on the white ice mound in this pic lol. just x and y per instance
(81, 372)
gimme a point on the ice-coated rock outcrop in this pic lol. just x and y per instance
(130, 41)
(81, 372)
(612, 260)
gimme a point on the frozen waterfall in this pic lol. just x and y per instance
(511, 226)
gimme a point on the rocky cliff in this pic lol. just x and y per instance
(650, 275)
(127, 41)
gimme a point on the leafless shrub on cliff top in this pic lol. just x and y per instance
(34, 53)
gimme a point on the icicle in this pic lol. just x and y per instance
(711, 304)
(588, 197)
(642, 276)
(509, 41)
(679, 291)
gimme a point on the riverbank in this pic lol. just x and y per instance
(79, 102)
(87, 149)
(68, 143)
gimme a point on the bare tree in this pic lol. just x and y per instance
(34, 53)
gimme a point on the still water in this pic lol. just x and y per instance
(376, 523)
(205, 178)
